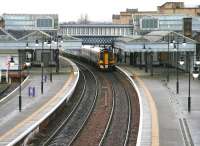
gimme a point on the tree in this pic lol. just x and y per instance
(83, 19)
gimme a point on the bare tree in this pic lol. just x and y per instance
(83, 19)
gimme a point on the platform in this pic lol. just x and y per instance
(14, 125)
(177, 126)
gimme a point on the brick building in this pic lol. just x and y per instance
(167, 8)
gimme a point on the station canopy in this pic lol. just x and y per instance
(157, 41)
(20, 39)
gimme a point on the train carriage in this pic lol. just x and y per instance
(103, 58)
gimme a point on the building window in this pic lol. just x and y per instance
(150, 23)
(44, 22)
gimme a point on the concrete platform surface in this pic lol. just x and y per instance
(14, 124)
(177, 126)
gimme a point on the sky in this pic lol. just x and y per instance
(71, 10)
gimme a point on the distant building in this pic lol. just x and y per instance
(168, 8)
(2, 24)
(178, 8)
(44, 22)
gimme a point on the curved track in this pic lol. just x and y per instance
(106, 114)
(117, 131)
(120, 128)
(67, 133)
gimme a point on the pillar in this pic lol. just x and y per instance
(140, 53)
(146, 61)
(131, 58)
(135, 58)
(151, 60)
(124, 57)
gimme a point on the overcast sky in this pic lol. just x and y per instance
(71, 10)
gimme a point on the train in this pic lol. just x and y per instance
(102, 57)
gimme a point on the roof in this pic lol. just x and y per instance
(156, 36)
(19, 33)
(2, 32)
(28, 35)
(152, 37)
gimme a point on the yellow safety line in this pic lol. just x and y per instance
(11, 131)
(154, 113)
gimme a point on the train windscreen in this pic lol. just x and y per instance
(110, 55)
(101, 55)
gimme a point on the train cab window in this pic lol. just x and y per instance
(110, 56)
(101, 55)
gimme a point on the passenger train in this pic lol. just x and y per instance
(103, 58)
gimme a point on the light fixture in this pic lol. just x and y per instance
(28, 63)
(36, 42)
(52, 41)
(45, 41)
(49, 43)
(56, 41)
(144, 46)
(61, 41)
(184, 42)
(197, 61)
(171, 43)
(11, 62)
(195, 72)
(181, 62)
(27, 45)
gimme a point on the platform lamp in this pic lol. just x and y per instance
(175, 44)
(27, 45)
(145, 57)
(12, 63)
(195, 74)
(57, 51)
(49, 44)
(42, 64)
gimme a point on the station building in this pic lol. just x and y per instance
(2, 24)
(154, 49)
(168, 8)
(44, 22)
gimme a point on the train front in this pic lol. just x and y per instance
(106, 59)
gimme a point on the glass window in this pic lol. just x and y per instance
(149, 23)
(44, 22)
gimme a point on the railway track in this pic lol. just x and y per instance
(68, 131)
(118, 127)
(121, 126)
(107, 113)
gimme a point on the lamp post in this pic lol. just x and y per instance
(12, 63)
(57, 51)
(151, 61)
(195, 74)
(49, 44)
(145, 57)
(176, 46)
(20, 81)
(168, 59)
(42, 63)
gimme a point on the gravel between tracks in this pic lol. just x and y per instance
(66, 135)
(135, 106)
(93, 130)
